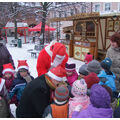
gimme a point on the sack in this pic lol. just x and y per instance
(4, 110)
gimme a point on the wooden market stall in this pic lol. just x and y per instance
(68, 41)
(91, 33)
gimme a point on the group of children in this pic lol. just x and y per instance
(94, 93)
(13, 83)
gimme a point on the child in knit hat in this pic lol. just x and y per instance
(8, 75)
(80, 99)
(20, 82)
(106, 76)
(83, 71)
(59, 108)
(71, 73)
(94, 66)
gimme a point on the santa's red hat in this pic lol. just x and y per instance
(8, 68)
(59, 50)
(58, 73)
(22, 64)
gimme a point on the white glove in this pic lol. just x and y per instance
(78, 108)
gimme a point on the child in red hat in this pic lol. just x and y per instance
(20, 82)
(8, 75)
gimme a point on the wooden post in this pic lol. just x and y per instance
(48, 33)
(25, 35)
(105, 34)
(57, 31)
(6, 36)
(96, 46)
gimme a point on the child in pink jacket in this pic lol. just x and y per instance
(71, 73)
(80, 100)
(88, 58)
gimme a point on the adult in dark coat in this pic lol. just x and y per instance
(37, 94)
(5, 57)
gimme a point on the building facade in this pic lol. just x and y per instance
(68, 9)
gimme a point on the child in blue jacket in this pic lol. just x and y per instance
(20, 82)
(106, 76)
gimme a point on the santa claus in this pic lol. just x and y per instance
(51, 56)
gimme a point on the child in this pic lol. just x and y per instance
(83, 71)
(88, 58)
(8, 75)
(59, 109)
(20, 82)
(94, 66)
(79, 91)
(106, 76)
(71, 73)
(91, 79)
(100, 104)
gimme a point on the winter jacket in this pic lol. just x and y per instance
(8, 84)
(72, 78)
(35, 98)
(82, 101)
(56, 110)
(114, 55)
(4, 98)
(17, 87)
(44, 60)
(93, 112)
(5, 57)
(117, 112)
(110, 80)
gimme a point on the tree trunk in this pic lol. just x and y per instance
(43, 21)
(15, 22)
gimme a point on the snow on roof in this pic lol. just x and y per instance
(19, 24)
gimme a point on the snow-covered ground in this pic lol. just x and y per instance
(23, 54)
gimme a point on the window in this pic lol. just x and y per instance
(72, 12)
(83, 9)
(65, 14)
(55, 14)
(60, 15)
(107, 6)
(97, 8)
(118, 6)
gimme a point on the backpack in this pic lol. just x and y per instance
(4, 111)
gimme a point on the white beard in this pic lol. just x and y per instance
(57, 61)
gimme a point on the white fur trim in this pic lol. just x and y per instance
(60, 56)
(47, 49)
(70, 69)
(8, 70)
(60, 103)
(54, 76)
(2, 83)
(26, 67)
